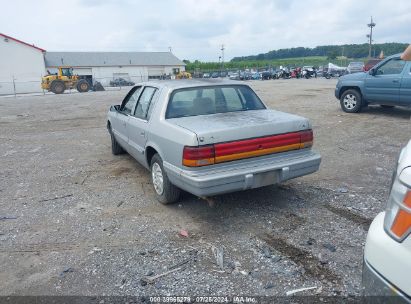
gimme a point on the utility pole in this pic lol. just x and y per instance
(222, 56)
(370, 25)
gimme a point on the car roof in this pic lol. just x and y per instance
(374, 59)
(394, 56)
(188, 83)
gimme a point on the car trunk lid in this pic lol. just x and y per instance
(233, 136)
(233, 126)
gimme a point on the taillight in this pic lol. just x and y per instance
(397, 221)
(246, 148)
(198, 156)
(307, 138)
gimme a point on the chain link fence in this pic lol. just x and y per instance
(17, 87)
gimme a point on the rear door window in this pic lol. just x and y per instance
(144, 102)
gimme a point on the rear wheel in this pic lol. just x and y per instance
(58, 87)
(166, 192)
(83, 86)
(351, 101)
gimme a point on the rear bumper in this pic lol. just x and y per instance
(245, 174)
(378, 290)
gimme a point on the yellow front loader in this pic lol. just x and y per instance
(64, 80)
(183, 75)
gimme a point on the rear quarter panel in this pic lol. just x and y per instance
(168, 139)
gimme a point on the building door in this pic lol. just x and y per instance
(155, 73)
(84, 73)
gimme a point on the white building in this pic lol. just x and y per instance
(21, 66)
(107, 66)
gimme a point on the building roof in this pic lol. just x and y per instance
(22, 42)
(90, 59)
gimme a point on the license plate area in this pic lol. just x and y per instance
(266, 178)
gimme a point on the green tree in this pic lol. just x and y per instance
(332, 55)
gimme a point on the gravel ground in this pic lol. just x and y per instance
(76, 220)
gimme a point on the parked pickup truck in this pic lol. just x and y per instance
(387, 84)
(209, 138)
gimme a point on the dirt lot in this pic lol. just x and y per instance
(76, 220)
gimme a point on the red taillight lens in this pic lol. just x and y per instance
(307, 138)
(229, 151)
(257, 147)
(198, 156)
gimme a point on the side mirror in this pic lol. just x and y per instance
(115, 108)
(372, 72)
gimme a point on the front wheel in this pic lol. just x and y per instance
(166, 192)
(116, 149)
(351, 101)
(83, 86)
(58, 87)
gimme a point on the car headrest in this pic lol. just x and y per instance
(203, 105)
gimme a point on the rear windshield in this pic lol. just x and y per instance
(212, 100)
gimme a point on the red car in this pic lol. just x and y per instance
(371, 63)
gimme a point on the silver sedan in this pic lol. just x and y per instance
(209, 138)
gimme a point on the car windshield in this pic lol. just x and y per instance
(212, 100)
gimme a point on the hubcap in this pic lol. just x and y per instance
(350, 101)
(83, 86)
(157, 176)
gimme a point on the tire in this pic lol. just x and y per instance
(116, 149)
(83, 86)
(387, 106)
(351, 101)
(57, 87)
(166, 192)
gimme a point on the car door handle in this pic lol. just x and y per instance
(396, 81)
(142, 133)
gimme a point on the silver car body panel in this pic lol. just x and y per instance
(169, 136)
(246, 173)
(239, 125)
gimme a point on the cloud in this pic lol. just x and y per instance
(197, 29)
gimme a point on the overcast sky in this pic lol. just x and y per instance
(196, 29)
